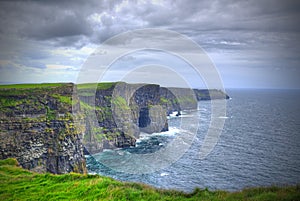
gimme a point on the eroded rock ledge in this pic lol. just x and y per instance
(47, 127)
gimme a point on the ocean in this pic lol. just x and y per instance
(259, 145)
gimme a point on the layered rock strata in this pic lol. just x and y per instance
(49, 127)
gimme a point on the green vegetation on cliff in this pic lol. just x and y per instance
(88, 89)
(38, 127)
(34, 97)
(31, 86)
(19, 184)
(102, 85)
(25, 89)
(121, 103)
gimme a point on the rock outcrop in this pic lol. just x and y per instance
(37, 128)
(49, 127)
(118, 112)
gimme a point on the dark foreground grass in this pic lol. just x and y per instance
(19, 184)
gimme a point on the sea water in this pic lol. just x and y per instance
(259, 146)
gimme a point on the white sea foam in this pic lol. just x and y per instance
(164, 174)
(110, 150)
(171, 132)
(121, 153)
(222, 117)
(144, 136)
(172, 115)
(186, 115)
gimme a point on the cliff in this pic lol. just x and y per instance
(37, 128)
(49, 127)
(118, 112)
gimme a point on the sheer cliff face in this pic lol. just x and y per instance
(150, 114)
(37, 128)
(47, 127)
(116, 113)
(121, 112)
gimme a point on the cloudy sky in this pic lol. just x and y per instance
(251, 43)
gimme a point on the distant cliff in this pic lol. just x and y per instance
(49, 127)
(116, 113)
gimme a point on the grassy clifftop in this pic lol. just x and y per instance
(19, 184)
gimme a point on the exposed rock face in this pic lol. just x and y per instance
(37, 128)
(121, 111)
(203, 94)
(178, 99)
(150, 115)
(153, 119)
(45, 131)
(108, 117)
(41, 147)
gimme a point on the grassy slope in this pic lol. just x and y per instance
(101, 85)
(30, 86)
(19, 184)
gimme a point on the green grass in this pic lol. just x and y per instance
(86, 106)
(19, 184)
(86, 86)
(101, 85)
(164, 100)
(30, 86)
(9, 102)
(50, 114)
(25, 89)
(63, 99)
(120, 102)
(89, 89)
(186, 100)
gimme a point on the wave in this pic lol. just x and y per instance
(223, 117)
(164, 174)
(171, 132)
(173, 115)
(187, 115)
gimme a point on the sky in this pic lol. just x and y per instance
(252, 44)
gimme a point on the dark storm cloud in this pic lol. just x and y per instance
(46, 20)
(62, 21)
(256, 33)
(68, 25)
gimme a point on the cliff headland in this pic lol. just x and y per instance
(49, 127)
